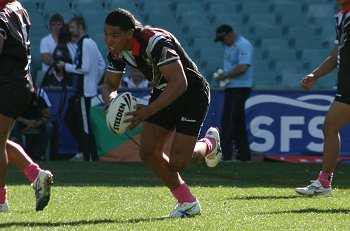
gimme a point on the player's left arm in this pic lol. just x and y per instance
(170, 67)
(177, 84)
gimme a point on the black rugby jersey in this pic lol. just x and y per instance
(15, 56)
(343, 41)
(152, 48)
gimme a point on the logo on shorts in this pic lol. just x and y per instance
(184, 119)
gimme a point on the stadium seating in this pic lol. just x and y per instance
(327, 82)
(287, 8)
(209, 66)
(36, 57)
(319, 10)
(126, 4)
(226, 18)
(276, 54)
(269, 31)
(290, 81)
(31, 6)
(253, 7)
(301, 31)
(259, 20)
(288, 67)
(293, 20)
(261, 66)
(274, 42)
(319, 54)
(261, 54)
(58, 6)
(302, 43)
(265, 80)
(199, 30)
(38, 29)
(217, 8)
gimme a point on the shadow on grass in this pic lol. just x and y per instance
(312, 210)
(266, 174)
(79, 223)
(263, 198)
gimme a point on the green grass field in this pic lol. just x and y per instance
(127, 196)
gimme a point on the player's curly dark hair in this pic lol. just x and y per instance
(123, 19)
(126, 21)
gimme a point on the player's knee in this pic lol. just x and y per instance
(147, 156)
(178, 165)
(329, 130)
(143, 156)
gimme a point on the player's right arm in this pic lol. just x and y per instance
(328, 65)
(113, 78)
(110, 86)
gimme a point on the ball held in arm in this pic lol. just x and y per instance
(116, 114)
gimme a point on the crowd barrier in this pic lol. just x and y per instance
(280, 124)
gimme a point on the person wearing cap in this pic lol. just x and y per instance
(237, 66)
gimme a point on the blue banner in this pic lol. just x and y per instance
(278, 122)
(290, 123)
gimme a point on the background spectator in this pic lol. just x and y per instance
(37, 117)
(64, 51)
(49, 42)
(238, 70)
(135, 80)
(88, 68)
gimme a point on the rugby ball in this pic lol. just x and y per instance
(116, 114)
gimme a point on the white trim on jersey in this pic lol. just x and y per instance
(129, 57)
(153, 41)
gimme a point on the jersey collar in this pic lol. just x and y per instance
(136, 47)
(345, 9)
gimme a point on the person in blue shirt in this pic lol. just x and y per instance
(237, 66)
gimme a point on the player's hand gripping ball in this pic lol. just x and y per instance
(116, 114)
